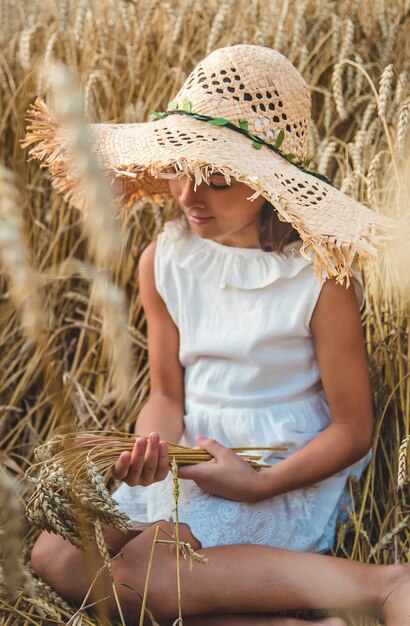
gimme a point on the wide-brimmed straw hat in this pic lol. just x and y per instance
(243, 111)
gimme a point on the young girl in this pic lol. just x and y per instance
(247, 347)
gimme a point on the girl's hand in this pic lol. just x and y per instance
(226, 475)
(147, 463)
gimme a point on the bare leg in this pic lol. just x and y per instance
(241, 579)
(116, 540)
(254, 620)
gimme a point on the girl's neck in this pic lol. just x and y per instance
(236, 244)
(247, 237)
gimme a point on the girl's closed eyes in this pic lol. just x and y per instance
(217, 181)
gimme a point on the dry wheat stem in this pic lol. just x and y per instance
(174, 472)
(73, 451)
(102, 548)
(148, 577)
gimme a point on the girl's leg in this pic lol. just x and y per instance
(49, 546)
(240, 579)
(254, 620)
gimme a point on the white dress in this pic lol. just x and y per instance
(251, 379)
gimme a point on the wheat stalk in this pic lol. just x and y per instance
(174, 472)
(299, 27)
(354, 152)
(328, 111)
(337, 76)
(335, 35)
(24, 50)
(327, 152)
(109, 299)
(77, 449)
(385, 88)
(387, 539)
(80, 18)
(371, 177)
(280, 34)
(148, 578)
(13, 254)
(401, 87)
(102, 549)
(179, 21)
(402, 126)
(14, 573)
(402, 473)
(218, 24)
(63, 12)
(337, 88)
(360, 79)
(102, 230)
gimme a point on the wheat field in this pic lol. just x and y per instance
(60, 321)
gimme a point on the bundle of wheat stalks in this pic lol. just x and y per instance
(71, 492)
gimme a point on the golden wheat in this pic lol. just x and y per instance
(143, 77)
(402, 473)
(402, 126)
(385, 88)
(13, 574)
(13, 255)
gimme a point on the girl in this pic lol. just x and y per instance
(247, 347)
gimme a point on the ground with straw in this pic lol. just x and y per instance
(59, 297)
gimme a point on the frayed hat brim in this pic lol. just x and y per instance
(136, 158)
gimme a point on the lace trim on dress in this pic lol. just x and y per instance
(221, 266)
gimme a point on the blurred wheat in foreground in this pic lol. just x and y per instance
(60, 353)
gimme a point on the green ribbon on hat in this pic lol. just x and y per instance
(257, 142)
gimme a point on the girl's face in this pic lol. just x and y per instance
(219, 211)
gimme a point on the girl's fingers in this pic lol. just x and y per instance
(120, 469)
(137, 461)
(151, 460)
(163, 462)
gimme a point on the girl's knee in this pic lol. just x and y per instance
(50, 553)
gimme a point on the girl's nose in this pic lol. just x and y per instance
(189, 197)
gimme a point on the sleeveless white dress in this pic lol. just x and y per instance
(251, 379)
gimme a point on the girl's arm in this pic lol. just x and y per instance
(340, 351)
(162, 416)
(164, 411)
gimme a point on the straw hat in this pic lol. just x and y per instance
(243, 111)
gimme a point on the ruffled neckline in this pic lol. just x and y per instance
(227, 266)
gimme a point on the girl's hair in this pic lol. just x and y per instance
(273, 233)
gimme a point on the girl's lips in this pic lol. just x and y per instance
(199, 220)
